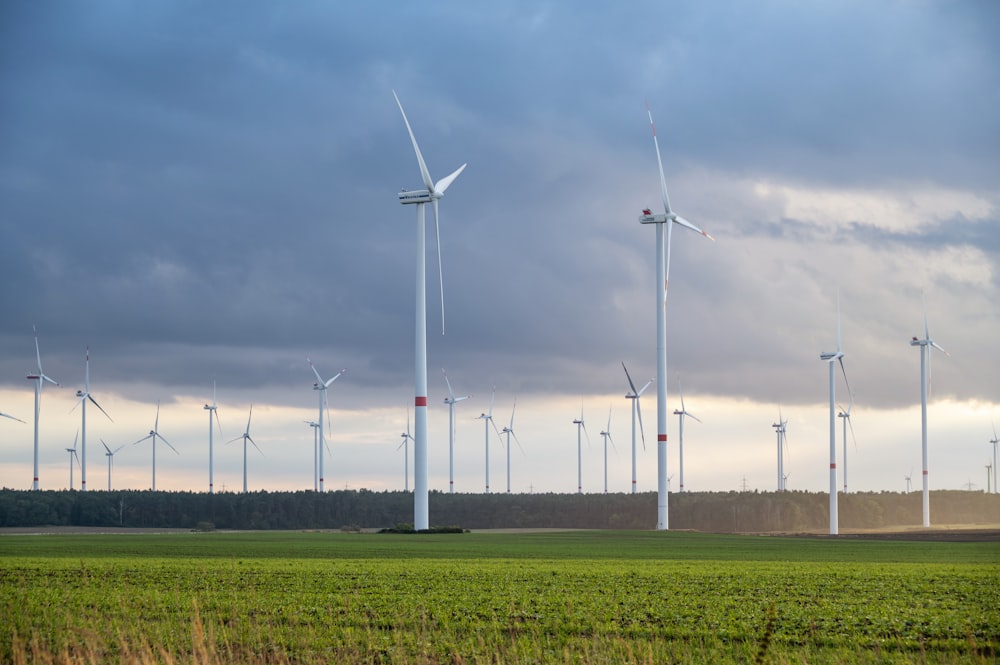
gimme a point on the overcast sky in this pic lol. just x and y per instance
(207, 190)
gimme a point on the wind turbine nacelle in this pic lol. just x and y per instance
(830, 356)
(417, 196)
(650, 218)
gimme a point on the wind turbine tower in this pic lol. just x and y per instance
(432, 193)
(211, 453)
(84, 396)
(846, 415)
(39, 378)
(451, 400)
(994, 441)
(680, 431)
(634, 395)
(315, 429)
(667, 219)
(579, 451)
(925, 345)
(487, 419)
(779, 429)
(606, 435)
(321, 387)
(72, 455)
(829, 358)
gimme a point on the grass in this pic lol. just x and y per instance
(577, 597)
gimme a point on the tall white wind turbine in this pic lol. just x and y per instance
(634, 395)
(925, 345)
(845, 414)
(606, 435)
(110, 454)
(39, 378)
(667, 219)
(829, 357)
(432, 193)
(779, 429)
(487, 419)
(681, 413)
(995, 440)
(72, 455)
(212, 414)
(153, 434)
(246, 437)
(451, 400)
(509, 431)
(580, 425)
(321, 387)
(405, 445)
(85, 396)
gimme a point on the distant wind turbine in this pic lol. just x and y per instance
(908, 477)
(580, 425)
(432, 193)
(829, 358)
(779, 428)
(487, 419)
(606, 435)
(405, 445)
(451, 400)
(667, 219)
(246, 437)
(680, 431)
(212, 414)
(110, 454)
(634, 395)
(84, 396)
(72, 455)
(321, 387)
(846, 415)
(39, 378)
(153, 434)
(509, 431)
(925, 345)
(994, 441)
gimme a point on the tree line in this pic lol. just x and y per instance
(721, 512)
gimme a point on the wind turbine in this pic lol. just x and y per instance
(668, 219)
(406, 452)
(39, 378)
(579, 451)
(846, 415)
(908, 477)
(925, 345)
(450, 400)
(680, 432)
(829, 358)
(779, 429)
(72, 454)
(315, 428)
(110, 454)
(634, 395)
(246, 437)
(211, 455)
(994, 441)
(431, 194)
(606, 435)
(509, 430)
(84, 396)
(487, 419)
(321, 386)
(153, 434)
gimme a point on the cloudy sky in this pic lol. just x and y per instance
(207, 191)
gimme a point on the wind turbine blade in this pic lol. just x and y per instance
(844, 373)
(451, 393)
(586, 434)
(691, 415)
(850, 426)
(106, 447)
(492, 399)
(319, 379)
(659, 162)
(335, 377)
(685, 223)
(628, 376)
(512, 415)
(428, 181)
(518, 442)
(648, 384)
(437, 238)
(445, 182)
(248, 419)
(7, 415)
(94, 401)
(250, 439)
(148, 436)
(495, 428)
(939, 348)
(638, 410)
(680, 390)
(217, 421)
(168, 443)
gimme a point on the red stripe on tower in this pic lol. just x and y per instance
(420, 400)
(661, 437)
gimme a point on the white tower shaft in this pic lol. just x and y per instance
(923, 433)
(834, 518)
(421, 514)
(662, 507)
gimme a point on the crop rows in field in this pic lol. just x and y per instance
(393, 608)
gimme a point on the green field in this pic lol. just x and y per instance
(554, 597)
